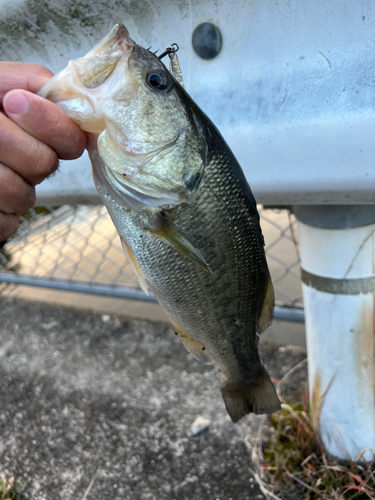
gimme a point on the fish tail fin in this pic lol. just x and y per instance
(255, 396)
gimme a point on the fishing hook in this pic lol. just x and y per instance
(169, 50)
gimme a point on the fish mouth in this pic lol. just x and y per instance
(118, 39)
(90, 71)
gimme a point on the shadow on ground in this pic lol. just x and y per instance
(85, 396)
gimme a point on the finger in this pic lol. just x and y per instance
(45, 121)
(9, 225)
(25, 76)
(16, 195)
(30, 158)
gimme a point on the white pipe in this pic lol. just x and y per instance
(336, 265)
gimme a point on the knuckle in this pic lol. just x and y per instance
(15, 193)
(46, 162)
(75, 146)
(26, 200)
(22, 202)
(74, 141)
(9, 225)
(65, 137)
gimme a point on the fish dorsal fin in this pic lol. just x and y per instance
(135, 266)
(196, 348)
(266, 315)
(174, 237)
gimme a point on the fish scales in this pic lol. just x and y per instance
(203, 255)
(187, 288)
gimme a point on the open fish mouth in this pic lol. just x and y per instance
(118, 39)
(111, 92)
(90, 72)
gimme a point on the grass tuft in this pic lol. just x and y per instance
(9, 489)
(294, 454)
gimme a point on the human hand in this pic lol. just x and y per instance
(34, 135)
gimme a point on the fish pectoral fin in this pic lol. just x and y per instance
(266, 314)
(171, 235)
(196, 348)
(254, 396)
(135, 266)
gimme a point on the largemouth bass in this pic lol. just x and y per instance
(184, 211)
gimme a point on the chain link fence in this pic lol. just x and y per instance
(76, 248)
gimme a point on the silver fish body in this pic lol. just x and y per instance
(185, 215)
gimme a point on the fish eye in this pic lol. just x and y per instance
(158, 80)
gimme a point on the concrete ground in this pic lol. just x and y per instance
(99, 406)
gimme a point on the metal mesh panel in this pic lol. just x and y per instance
(279, 230)
(79, 244)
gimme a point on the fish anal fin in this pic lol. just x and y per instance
(196, 348)
(174, 237)
(135, 266)
(255, 396)
(266, 315)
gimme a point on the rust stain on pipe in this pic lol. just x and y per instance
(318, 397)
(315, 400)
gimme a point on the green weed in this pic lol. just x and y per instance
(9, 489)
(294, 454)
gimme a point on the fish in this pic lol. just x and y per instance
(184, 211)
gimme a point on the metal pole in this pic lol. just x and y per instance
(121, 292)
(338, 262)
(293, 314)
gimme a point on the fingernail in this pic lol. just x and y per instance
(15, 103)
